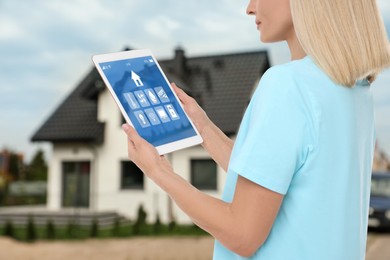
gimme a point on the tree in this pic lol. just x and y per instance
(37, 169)
(140, 222)
(15, 166)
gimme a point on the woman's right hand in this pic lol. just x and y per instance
(216, 143)
(192, 108)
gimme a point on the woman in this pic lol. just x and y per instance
(299, 171)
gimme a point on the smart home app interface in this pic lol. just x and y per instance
(148, 100)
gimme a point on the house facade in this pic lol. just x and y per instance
(89, 167)
(380, 163)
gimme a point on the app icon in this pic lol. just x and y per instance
(137, 79)
(152, 96)
(172, 112)
(153, 118)
(142, 98)
(162, 114)
(142, 120)
(161, 94)
(131, 100)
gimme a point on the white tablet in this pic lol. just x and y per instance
(146, 99)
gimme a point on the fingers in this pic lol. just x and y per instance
(132, 134)
(179, 92)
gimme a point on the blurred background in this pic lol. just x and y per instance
(45, 54)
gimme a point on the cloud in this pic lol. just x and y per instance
(161, 27)
(9, 29)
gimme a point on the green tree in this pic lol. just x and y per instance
(140, 222)
(15, 166)
(37, 169)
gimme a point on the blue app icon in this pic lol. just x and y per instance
(131, 100)
(153, 118)
(141, 117)
(142, 98)
(162, 114)
(152, 96)
(172, 112)
(162, 95)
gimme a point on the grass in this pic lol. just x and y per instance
(74, 232)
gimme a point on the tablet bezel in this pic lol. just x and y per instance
(110, 57)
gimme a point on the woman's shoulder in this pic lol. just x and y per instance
(291, 68)
(280, 76)
(290, 81)
(292, 74)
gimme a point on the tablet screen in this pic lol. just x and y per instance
(148, 100)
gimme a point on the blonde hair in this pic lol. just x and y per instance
(346, 38)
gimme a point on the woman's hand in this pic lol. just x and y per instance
(145, 155)
(216, 143)
(193, 110)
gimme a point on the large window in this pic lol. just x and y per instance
(204, 174)
(75, 184)
(131, 177)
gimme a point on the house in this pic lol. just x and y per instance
(89, 166)
(380, 163)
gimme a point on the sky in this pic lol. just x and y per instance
(46, 48)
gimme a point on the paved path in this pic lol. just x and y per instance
(147, 248)
(378, 247)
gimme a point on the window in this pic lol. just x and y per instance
(204, 174)
(75, 184)
(132, 177)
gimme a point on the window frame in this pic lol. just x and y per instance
(210, 187)
(135, 187)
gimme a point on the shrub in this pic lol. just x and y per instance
(141, 221)
(157, 225)
(116, 227)
(9, 230)
(71, 229)
(94, 228)
(50, 230)
(172, 225)
(31, 230)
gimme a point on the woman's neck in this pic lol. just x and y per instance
(295, 47)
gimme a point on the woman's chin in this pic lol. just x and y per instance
(265, 39)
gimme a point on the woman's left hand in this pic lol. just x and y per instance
(145, 155)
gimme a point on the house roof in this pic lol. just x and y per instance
(75, 120)
(222, 85)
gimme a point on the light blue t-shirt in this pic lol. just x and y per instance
(312, 140)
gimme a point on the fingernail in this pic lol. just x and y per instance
(125, 127)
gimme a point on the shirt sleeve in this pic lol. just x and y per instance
(274, 137)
